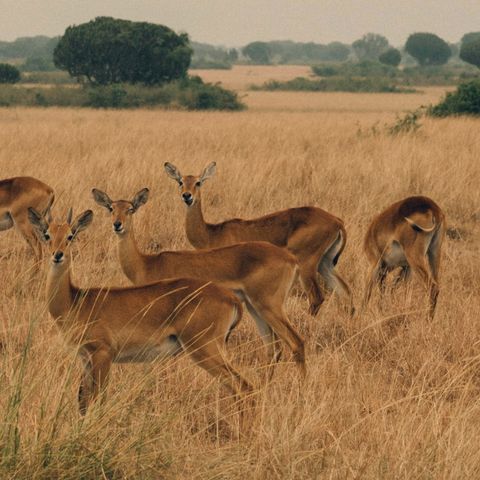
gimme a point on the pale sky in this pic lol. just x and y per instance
(237, 22)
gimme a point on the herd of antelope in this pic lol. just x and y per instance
(190, 301)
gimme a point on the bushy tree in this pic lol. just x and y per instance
(391, 57)
(9, 73)
(468, 37)
(428, 49)
(370, 46)
(258, 52)
(470, 52)
(108, 50)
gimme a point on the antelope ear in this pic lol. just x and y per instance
(82, 222)
(208, 172)
(47, 213)
(102, 199)
(172, 171)
(70, 215)
(39, 223)
(140, 198)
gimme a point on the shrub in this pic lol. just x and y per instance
(197, 95)
(9, 73)
(190, 93)
(464, 101)
(325, 70)
(334, 84)
(365, 68)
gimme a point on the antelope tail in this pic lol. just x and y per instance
(419, 228)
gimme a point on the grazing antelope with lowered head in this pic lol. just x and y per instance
(135, 324)
(314, 236)
(408, 234)
(259, 273)
(16, 195)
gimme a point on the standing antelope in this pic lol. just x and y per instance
(135, 324)
(16, 195)
(408, 234)
(260, 274)
(314, 236)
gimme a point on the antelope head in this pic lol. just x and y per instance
(58, 235)
(121, 210)
(190, 184)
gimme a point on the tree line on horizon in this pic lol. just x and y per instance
(422, 48)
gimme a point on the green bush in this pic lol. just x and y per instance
(191, 93)
(9, 73)
(334, 84)
(464, 101)
(326, 70)
(365, 68)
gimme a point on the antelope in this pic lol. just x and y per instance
(135, 324)
(315, 237)
(16, 195)
(408, 234)
(259, 273)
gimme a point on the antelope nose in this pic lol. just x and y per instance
(58, 256)
(187, 196)
(117, 225)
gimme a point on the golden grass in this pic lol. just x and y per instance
(388, 394)
(240, 77)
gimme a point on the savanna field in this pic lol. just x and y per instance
(388, 394)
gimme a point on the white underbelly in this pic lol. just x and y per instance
(394, 256)
(149, 353)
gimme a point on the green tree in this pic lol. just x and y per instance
(391, 57)
(468, 37)
(108, 50)
(9, 73)
(370, 46)
(258, 52)
(428, 49)
(470, 52)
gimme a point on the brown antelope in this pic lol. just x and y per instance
(314, 236)
(408, 234)
(135, 324)
(260, 274)
(16, 195)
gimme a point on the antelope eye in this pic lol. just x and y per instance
(131, 210)
(180, 183)
(46, 236)
(198, 184)
(70, 237)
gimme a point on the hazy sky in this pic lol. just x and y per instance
(237, 22)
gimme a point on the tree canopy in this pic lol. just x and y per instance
(108, 50)
(391, 57)
(470, 52)
(428, 49)
(258, 52)
(370, 46)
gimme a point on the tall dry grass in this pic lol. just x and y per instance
(388, 394)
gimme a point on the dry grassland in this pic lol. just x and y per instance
(388, 395)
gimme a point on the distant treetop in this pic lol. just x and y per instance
(428, 49)
(370, 46)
